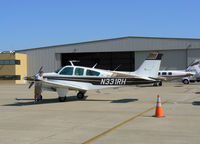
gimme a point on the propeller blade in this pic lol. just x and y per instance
(40, 69)
(34, 76)
(31, 84)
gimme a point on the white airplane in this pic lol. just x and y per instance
(82, 79)
(195, 68)
(191, 74)
(169, 75)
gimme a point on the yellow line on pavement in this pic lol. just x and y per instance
(121, 124)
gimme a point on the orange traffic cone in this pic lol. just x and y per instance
(158, 112)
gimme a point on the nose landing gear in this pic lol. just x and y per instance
(158, 84)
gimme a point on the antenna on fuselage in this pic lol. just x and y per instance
(116, 67)
(71, 62)
(95, 65)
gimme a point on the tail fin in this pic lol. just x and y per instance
(194, 66)
(150, 66)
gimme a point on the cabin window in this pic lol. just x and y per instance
(67, 71)
(169, 73)
(92, 73)
(158, 73)
(79, 71)
(164, 73)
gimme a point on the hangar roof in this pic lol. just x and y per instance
(129, 43)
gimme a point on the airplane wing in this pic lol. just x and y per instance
(61, 85)
(57, 84)
(92, 83)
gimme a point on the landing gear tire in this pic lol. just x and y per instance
(160, 83)
(62, 99)
(80, 95)
(185, 81)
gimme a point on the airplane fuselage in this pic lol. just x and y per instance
(174, 74)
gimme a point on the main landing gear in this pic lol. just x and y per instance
(62, 99)
(80, 95)
(63, 92)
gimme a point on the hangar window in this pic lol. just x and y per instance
(10, 77)
(9, 62)
(169, 73)
(67, 71)
(164, 73)
(79, 71)
(92, 73)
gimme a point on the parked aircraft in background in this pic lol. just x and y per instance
(192, 72)
(82, 79)
(169, 75)
(193, 67)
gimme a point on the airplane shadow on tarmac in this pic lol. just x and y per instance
(69, 99)
(145, 86)
(196, 103)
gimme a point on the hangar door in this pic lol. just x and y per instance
(105, 60)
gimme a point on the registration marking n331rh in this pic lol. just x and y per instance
(113, 81)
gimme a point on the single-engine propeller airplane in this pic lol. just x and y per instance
(82, 79)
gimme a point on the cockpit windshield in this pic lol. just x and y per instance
(67, 71)
(58, 69)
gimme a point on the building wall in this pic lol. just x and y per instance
(13, 69)
(41, 57)
(171, 60)
(22, 68)
(193, 54)
(7, 69)
(177, 52)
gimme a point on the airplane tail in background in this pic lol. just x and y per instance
(194, 66)
(150, 66)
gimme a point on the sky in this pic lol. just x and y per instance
(37, 23)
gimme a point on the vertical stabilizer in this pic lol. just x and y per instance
(194, 67)
(150, 66)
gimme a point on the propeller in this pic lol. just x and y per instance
(40, 69)
(31, 84)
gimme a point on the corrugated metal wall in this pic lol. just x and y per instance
(193, 54)
(175, 51)
(171, 60)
